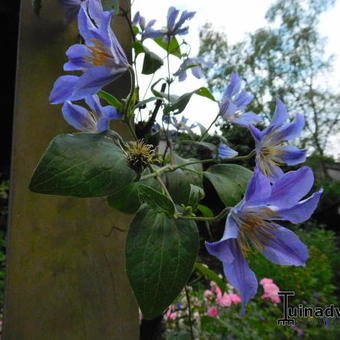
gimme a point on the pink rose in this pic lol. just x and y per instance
(224, 300)
(208, 293)
(235, 299)
(266, 281)
(212, 311)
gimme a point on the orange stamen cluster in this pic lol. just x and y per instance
(100, 54)
(254, 229)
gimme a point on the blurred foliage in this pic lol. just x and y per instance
(286, 59)
(314, 285)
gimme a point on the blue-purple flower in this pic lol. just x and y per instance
(271, 150)
(179, 124)
(94, 119)
(101, 58)
(234, 101)
(252, 222)
(195, 65)
(146, 29)
(224, 151)
(71, 9)
(176, 28)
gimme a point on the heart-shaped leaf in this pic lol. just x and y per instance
(172, 47)
(82, 165)
(229, 181)
(179, 181)
(152, 62)
(160, 254)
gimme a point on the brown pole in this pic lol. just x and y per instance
(65, 269)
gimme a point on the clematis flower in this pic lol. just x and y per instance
(178, 124)
(146, 28)
(195, 65)
(224, 151)
(95, 119)
(71, 9)
(253, 222)
(271, 152)
(101, 58)
(173, 28)
(234, 101)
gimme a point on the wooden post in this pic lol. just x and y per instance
(65, 270)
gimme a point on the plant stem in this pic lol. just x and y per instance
(189, 312)
(207, 130)
(170, 168)
(206, 219)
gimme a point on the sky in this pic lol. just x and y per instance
(235, 18)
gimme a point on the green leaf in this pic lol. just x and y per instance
(152, 62)
(37, 4)
(172, 98)
(229, 181)
(126, 200)
(138, 46)
(179, 105)
(160, 254)
(196, 194)
(205, 211)
(110, 4)
(204, 92)
(211, 275)
(172, 47)
(143, 102)
(179, 181)
(156, 200)
(110, 99)
(181, 102)
(82, 165)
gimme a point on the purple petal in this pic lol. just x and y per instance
(171, 18)
(94, 104)
(291, 187)
(78, 117)
(103, 124)
(63, 89)
(256, 133)
(243, 99)
(233, 87)
(224, 151)
(246, 119)
(197, 72)
(111, 112)
(76, 55)
(150, 24)
(292, 155)
(293, 130)
(301, 211)
(238, 273)
(136, 19)
(280, 114)
(228, 108)
(258, 189)
(85, 24)
(184, 17)
(285, 248)
(93, 80)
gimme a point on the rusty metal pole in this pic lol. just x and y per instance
(65, 268)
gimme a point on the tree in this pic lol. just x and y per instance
(286, 59)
